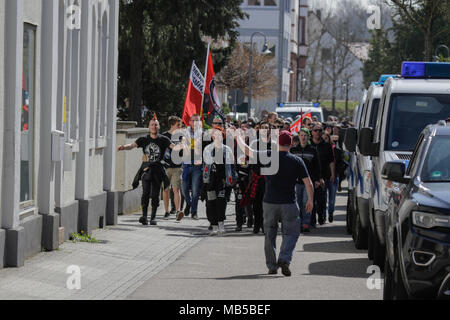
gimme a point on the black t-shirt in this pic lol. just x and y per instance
(280, 188)
(311, 159)
(326, 157)
(260, 146)
(168, 163)
(154, 148)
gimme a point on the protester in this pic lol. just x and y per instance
(272, 116)
(174, 172)
(192, 170)
(331, 186)
(327, 169)
(218, 172)
(152, 171)
(254, 195)
(310, 157)
(279, 203)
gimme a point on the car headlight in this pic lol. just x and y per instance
(429, 220)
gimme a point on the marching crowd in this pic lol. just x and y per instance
(312, 166)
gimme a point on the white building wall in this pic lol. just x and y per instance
(95, 172)
(2, 91)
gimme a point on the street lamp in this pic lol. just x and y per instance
(265, 50)
(347, 85)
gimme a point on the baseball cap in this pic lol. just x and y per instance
(285, 138)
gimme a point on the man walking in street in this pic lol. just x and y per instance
(192, 170)
(152, 171)
(310, 157)
(280, 203)
(174, 172)
(327, 169)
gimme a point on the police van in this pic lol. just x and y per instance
(352, 171)
(410, 102)
(294, 110)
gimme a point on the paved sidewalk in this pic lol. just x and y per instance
(178, 261)
(325, 266)
(126, 256)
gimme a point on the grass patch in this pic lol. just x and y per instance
(340, 106)
(83, 237)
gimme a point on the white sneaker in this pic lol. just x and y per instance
(221, 227)
(215, 231)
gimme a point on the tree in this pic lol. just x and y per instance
(406, 44)
(427, 16)
(158, 41)
(235, 75)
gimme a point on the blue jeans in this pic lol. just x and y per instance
(290, 227)
(302, 199)
(192, 181)
(332, 189)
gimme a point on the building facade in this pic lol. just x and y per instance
(284, 23)
(58, 65)
(299, 48)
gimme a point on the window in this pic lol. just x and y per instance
(270, 3)
(27, 121)
(254, 2)
(301, 30)
(409, 114)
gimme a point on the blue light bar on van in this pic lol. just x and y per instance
(436, 70)
(374, 83)
(384, 77)
(413, 69)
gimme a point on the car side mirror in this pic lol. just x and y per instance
(395, 171)
(351, 138)
(365, 144)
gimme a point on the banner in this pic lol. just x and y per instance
(193, 101)
(212, 106)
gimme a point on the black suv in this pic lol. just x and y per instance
(418, 222)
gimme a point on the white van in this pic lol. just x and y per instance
(293, 110)
(410, 102)
(352, 170)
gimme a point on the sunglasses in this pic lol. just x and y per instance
(318, 130)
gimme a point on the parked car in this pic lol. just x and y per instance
(410, 102)
(417, 263)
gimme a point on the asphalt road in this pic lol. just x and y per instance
(325, 265)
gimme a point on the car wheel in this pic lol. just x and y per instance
(370, 243)
(379, 252)
(399, 290)
(349, 215)
(388, 288)
(360, 235)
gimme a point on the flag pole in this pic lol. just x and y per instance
(204, 86)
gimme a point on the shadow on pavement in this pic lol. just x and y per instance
(331, 247)
(251, 277)
(328, 231)
(348, 268)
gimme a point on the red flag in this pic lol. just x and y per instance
(211, 104)
(193, 101)
(295, 128)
